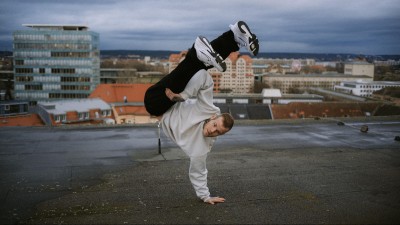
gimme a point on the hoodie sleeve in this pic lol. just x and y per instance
(200, 86)
(198, 176)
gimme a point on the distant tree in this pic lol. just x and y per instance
(382, 70)
(331, 68)
(277, 84)
(295, 90)
(132, 64)
(389, 91)
(6, 63)
(127, 77)
(258, 87)
(312, 69)
(387, 73)
(225, 90)
(340, 67)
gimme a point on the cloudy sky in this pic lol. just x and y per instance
(370, 27)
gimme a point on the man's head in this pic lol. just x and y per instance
(218, 125)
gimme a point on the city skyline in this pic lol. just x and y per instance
(305, 26)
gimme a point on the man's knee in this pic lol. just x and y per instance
(202, 78)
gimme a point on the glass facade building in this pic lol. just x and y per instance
(55, 62)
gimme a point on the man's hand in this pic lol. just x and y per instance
(173, 96)
(214, 200)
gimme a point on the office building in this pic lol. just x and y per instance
(294, 82)
(129, 76)
(364, 89)
(359, 68)
(55, 62)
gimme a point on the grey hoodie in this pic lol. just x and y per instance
(184, 122)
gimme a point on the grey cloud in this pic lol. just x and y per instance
(367, 26)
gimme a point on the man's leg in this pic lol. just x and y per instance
(200, 55)
(225, 44)
(239, 35)
(156, 102)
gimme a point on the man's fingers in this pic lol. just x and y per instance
(169, 93)
(173, 96)
(214, 200)
(220, 200)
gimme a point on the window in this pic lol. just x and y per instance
(60, 118)
(63, 70)
(84, 115)
(19, 62)
(105, 113)
(24, 70)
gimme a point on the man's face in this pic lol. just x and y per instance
(214, 127)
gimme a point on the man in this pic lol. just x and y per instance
(194, 125)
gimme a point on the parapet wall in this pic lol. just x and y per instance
(320, 109)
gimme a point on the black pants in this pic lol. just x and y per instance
(155, 100)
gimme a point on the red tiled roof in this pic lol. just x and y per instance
(115, 92)
(23, 120)
(177, 57)
(234, 56)
(131, 110)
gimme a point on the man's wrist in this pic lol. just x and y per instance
(206, 199)
(184, 95)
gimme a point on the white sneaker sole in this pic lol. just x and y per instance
(207, 55)
(248, 39)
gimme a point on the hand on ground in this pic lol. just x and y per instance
(214, 200)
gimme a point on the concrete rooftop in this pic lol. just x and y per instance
(297, 171)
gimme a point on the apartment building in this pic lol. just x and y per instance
(74, 111)
(359, 68)
(238, 77)
(55, 62)
(303, 62)
(282, 66)
(175, 59)
(287, 83)
(389, 62)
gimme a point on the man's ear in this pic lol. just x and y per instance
(213, 116)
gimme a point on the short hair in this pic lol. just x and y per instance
(228, 120)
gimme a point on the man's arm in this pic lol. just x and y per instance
(200, 82)
(200, 86)
(173, 96)
(198, 176)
